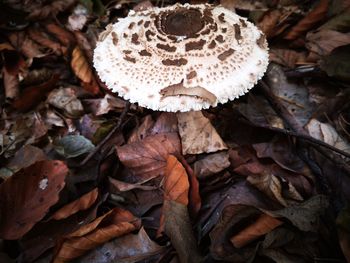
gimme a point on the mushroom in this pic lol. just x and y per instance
(181, 57)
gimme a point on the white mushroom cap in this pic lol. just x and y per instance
(182, 57)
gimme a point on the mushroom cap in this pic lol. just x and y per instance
(181, 57)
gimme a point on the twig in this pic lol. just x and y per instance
(109, 135)
(305, 137)
(296, 126)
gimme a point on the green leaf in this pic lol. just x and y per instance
(73, 145)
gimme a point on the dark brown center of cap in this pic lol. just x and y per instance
(182, 22)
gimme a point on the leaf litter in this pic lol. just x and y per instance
(87, 177)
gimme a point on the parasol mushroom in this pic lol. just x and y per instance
(182, 57)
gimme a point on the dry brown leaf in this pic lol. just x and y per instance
(33, 95)
(263, 225)
(325, 132)
(178, 227)
(83, 203)
(40, 37)
(287, 57)
(115, 223)
(197, 134)
(27, 196)
(120, 186)
(25, 157)
(80, 65)
(51, 9)
(24, 44)
(176, 184)
(324, 41)
(64, 36)
(126, 249)
(147, 158)
(11, 84)
(312, 18)
(211, 164)
(140, 132)
(66, 100)
(269, 22)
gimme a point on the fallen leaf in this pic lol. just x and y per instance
(125, 249)
(306, 215)
(166, 122)
(269, 22)
(323, 42)
(340, 23)
(287, 57)
(211, 164)
(282, 152)
(80, 65)
(66, 100)
(263, 225)
(197, 134)
(259, 111)
(176, 185)
(43, 39)
(120, 186)
(178, 228)
(147, 158)
(31, 96)
(25, 157)
(337, 63)
(230, 218)
(83, 203)
(240, 193)
(293, 96)
(63, 35)
(51, 9)
(11, 84)
(71, 146)
(106, 104)
(140, 132)
(316, 15)
(268, 184)
(325, 132)
(27, 195)
(115, 223)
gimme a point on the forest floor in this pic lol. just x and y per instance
(88, 177)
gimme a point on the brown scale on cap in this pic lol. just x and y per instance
(181, 57)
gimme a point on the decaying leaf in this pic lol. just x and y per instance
(147, 158)
(115, 223)
(304, 216)
(83, 203)
(263, 225)
(66, 99)
(25, 157)
(337, 63)
(323, 42)
(27, 195)
(211, 164)
(125, 249)
(325, 132)
(80, 65)
(311, 19)
(178, 228)
(197, 134)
